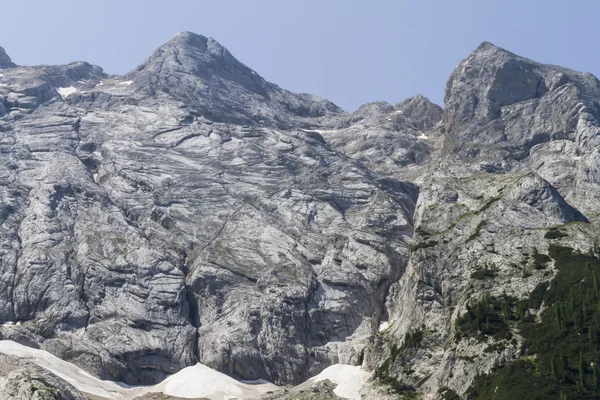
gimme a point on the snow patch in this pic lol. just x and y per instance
(349, 380)
(318, 130)
(198, 381)
(67, 371)
(66, 91)
(126, 83)
(422, 136)
(383, 326)
(201, 381)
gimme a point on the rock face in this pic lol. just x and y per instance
(392, 141)
(193, 69)
(516, 138)
(5, 61)
(191, 211)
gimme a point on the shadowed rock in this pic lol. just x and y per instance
(5, 61)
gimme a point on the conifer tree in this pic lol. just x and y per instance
(581, 372)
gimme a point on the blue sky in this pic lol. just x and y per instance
(350, 52)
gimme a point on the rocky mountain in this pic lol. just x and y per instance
(514, 178)
(181, 214)
(189, 211)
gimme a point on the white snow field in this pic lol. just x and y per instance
(66, 91)
(198, 381)
(348, 378)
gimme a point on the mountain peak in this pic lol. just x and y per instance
(420, 111)
(197, 55)
(201, 72)
(189, 40)
(5, 61)
(488, 46)
(491, 82)
(490, 77)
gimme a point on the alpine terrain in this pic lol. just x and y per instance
(191, 220)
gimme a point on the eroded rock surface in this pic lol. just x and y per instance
(189, 211)
(508, 170)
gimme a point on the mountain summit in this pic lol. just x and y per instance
(202, 73)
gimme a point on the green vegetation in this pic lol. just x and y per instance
(540, 260)
(563, 349)
(423, 245)
(554, 233)
(382, 372)
(477, 232)
(448, 394)
(489, 317)
(40, 390)
(487, 272)
(412, 340)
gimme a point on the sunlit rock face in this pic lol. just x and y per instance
(191, 211)
(517, 161)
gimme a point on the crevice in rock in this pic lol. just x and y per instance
(14, 275)
(166, 131)
(185, 138)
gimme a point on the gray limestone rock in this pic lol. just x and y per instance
(517, 136)
(5, 61)
(394, 142)
(210, 81)
(184, 213)
(191, 211)
(421, 112)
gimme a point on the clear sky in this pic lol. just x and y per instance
(348, 51)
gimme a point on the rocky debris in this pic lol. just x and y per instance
(23, 380)
(323, 390)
